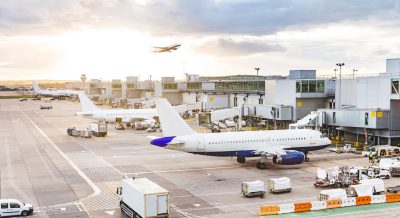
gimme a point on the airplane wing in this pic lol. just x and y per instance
(271, 151)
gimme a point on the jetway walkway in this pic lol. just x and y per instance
(311, 120)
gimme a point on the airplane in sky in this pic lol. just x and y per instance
(53, 93)
(90, 111)
(166, 48)
(285, 147)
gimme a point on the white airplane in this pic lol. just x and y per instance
(53, 93)
(284, 146)
(90, 111)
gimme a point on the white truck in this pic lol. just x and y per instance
(279, 185)
(378, 186)
(13, 207)
(140, 197)
(253, 189)
(98, 129)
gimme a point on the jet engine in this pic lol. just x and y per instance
(290, 158)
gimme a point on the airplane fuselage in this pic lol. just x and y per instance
(245, 143)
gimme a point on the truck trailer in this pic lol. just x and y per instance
(140, 198)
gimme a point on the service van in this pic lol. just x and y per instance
(13, 207)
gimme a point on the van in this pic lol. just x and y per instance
(13, 207)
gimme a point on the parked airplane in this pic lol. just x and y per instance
(167, 48)
(284, 146)
(112, 115)
(53, 93)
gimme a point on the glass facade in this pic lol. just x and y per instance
(193, 86)
(170, 85)
(310, 86)
(241, 86)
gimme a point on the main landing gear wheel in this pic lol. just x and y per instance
(261, 165)
(241, 159)
(306, 159)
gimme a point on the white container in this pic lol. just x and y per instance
(142, 197)
(377, 184)
(98, 129)
(255, 188)
(279, 184)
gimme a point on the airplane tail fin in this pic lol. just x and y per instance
(86, 103)
(36, 87)
(172, 123)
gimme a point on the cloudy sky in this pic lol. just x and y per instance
(60, 39)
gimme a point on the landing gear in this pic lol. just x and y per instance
(306, 159)
(241, 159)
(263, 163)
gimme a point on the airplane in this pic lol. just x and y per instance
(90, 111)
(53, 93)
(166, 48)
(286, 147)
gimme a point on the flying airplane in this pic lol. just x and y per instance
(53, 93)
(166, 48)
(284, 146)
(112, 115)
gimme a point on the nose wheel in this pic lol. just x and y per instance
(263, 163)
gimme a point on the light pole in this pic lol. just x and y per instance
(257, 69)
(354, 71)
(340, 65)
(335, 72)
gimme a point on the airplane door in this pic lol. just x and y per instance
(200, 144)
(312, 140)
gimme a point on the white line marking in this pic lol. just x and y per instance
(96, 189)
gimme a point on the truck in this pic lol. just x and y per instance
(279, 185)
(98, 129)
(360, 190)
(253, 189)
(140, 197)
(13, 207)
(382, 151)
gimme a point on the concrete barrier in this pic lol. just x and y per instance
(318, 205)
(363, 200)
(348, 202)
(334, 203)
(302, 207)
(392, 198)
(377, 199)
(286, 208)
(268, 210)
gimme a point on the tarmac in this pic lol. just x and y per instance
(63, 176)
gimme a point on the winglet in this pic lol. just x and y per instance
(172, 123)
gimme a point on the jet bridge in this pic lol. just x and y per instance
(314, 119)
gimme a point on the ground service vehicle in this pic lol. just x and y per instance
(279, 185)
(46, 106)
(13, 207)
(253, 189)
(140, 197)
(393, 189)
(98, 129)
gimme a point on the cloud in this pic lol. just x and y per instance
(231, 47)
(177, 17)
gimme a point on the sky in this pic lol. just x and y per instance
(112, 39)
